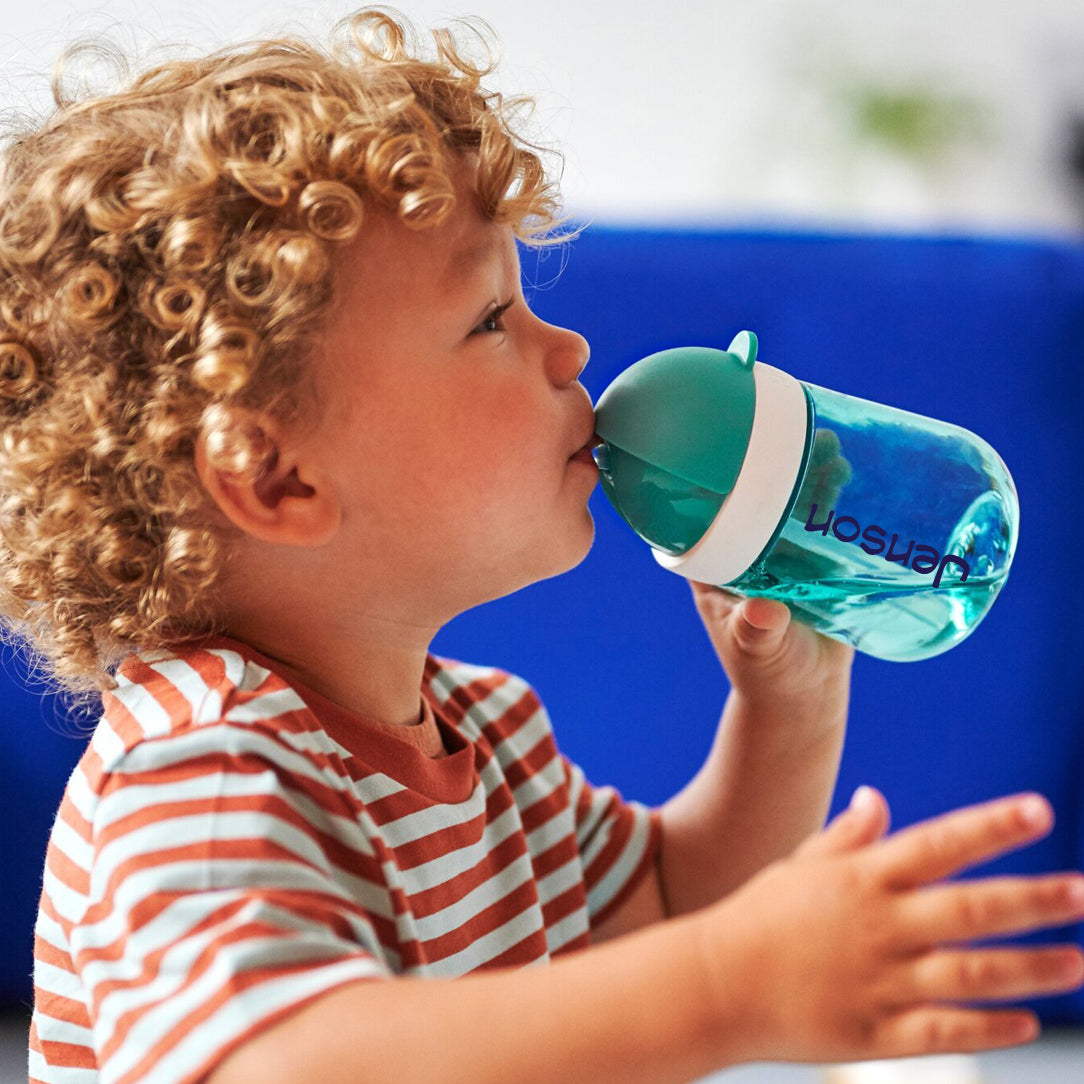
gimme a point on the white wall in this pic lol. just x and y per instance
(718, 111)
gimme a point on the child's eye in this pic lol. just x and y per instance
(489, 325)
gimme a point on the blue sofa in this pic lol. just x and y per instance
(987, 334)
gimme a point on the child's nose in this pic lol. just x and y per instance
(568, 355)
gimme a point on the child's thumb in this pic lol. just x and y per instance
(866, 819)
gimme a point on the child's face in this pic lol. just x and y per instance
(448, 427)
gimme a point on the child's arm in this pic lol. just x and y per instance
(765, 787)
(767, 783)
(837, 953)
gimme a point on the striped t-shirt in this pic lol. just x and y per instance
(232, 845)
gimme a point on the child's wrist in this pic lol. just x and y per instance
(726, 986)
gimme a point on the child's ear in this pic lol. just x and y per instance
(288, 502)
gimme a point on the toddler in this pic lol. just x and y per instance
(264, 354)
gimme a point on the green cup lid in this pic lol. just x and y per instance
(687, 411)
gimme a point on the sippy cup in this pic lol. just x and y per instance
(888, 530)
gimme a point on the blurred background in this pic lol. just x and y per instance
(930, 115)
(892, 197)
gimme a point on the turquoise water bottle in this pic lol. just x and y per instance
(887, 530)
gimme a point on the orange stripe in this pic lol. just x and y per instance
(518, 955)
(213, 763)
(68, 1055)
(61, 1007)
(555, 856)
(433, 900)
(71, 816)
(535, 760)
(485, 922)
(207, 957)
(642, 869)
(65, 870)
(560, 907)
(621, 821)
(143, 1070)
(254, 850)
(48, 908)
(49, 954)
(268, 803)
(447, 840)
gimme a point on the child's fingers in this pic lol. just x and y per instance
(934, 1030)
(865, 820)
(965, 837)
(998, 905)
(990, 974)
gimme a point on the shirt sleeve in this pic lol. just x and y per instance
(217, 903)
(618, 841)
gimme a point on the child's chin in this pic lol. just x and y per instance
(580, 554)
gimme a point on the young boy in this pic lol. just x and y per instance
(275, 410)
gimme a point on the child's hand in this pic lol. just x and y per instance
(849, 950)
(767, 656)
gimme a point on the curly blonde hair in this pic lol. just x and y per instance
(167, 254)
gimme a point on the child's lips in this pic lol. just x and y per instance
(591, 444)
(586, 453)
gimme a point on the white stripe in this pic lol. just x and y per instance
(551, 832)
(500, 701)
(67, 903)
(226, 784)
(135, 797)
(195, 878)
(618, 875)
(55, 1030)
(315, 741)
(71, 844)
(299, 940)
(576, 781)
(444, 867)
(458, 674)
(191, 831)
(573, 925)
(424, 822)
(180, 671)
(152, 719)
(156, 654)
(590, 848)
(489, 892)
(240, 673)
(540, 785)
(80, 795)
(268, 707)
(55, 1074)
(234, 741)
(376, 786)
(490, 945)
(172, 1011)
(107, 743)
(57, 980)
(204, 703)
(560, 880)
(49, 931)
(518, 744)
(593, 820)
(239, 1013)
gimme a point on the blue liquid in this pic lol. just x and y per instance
(909, 475)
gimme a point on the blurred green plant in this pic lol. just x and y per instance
(923, 125)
